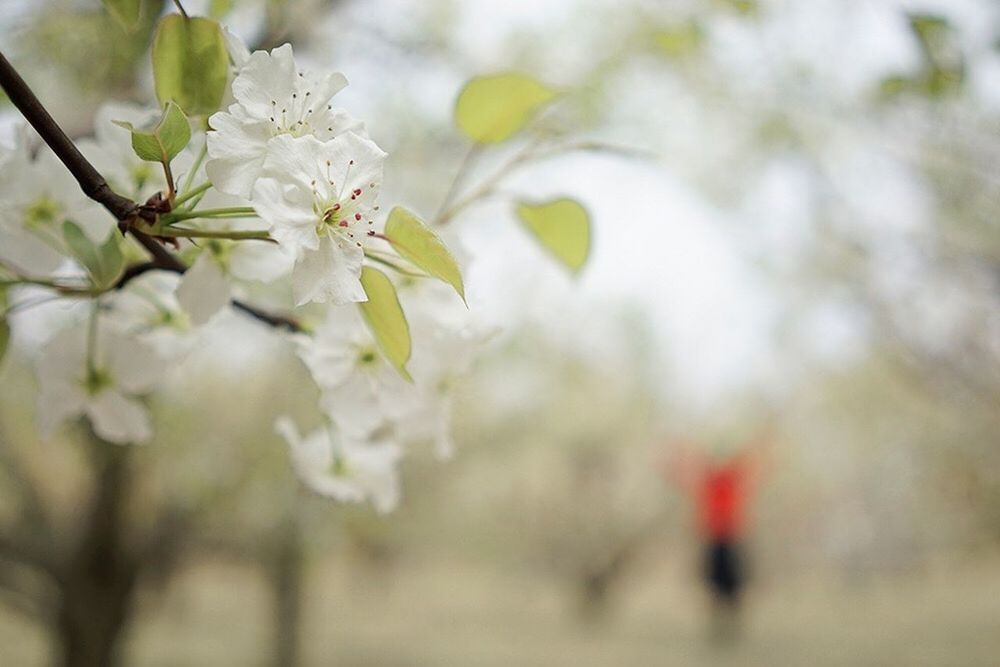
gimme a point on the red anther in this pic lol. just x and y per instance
(357, 216)
(336, 207)
(371, 232)
(342, 223)
(357, 192)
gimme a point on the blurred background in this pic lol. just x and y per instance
(801, 237)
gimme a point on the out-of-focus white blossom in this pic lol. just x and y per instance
(102, 387)
(36, 197)
(146, 308)
(361, 391)
(346, 470)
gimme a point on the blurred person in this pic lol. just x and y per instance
(720, 486)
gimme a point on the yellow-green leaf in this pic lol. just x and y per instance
(385, 318)
(190, 63)
(562, 226)
(126, 12)
(415, 241)
(491, 109)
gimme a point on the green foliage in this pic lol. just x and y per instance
(562, 226)
(678, 41)
(126, 12)
(492, 109)
(746, 7)
(163, 142)
(103, 263)
(943, 71)
(385, 318)
(415, 241)
(190, 63)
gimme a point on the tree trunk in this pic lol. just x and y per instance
(98, 580)
(287, 578)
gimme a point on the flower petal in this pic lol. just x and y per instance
(329, 274)
(204, 290)
(119, 419)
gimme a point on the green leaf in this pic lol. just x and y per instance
(105, 263)
(163, 142)
(126, 12)
(415, 241)
(385, 318)
(190, 63)
(491, 109)
(562, 227)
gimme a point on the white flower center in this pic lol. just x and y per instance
(296, 115)
(340, 217)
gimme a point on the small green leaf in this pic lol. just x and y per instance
(385, 318)
(562, 227)
(415, 241)
(104, 263)
(126, 12)
(163, 142)
(190, 63)
(491, 109)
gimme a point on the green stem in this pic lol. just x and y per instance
(487, 185)
(385, 261)
(188, 194)
(234, 234)
(460, 174)
(169, 175)
(189, 178)
(92, 338)
(231, 212)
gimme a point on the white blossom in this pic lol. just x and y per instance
(445, 342)
(318, 199)
(36, 197)
(146, 308)
(346, 470)
(272, 98)
(361, 391)
(103, 387)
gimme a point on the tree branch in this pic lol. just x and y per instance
(91, 182)
(96, 188)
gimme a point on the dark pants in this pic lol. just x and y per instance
(724, 571)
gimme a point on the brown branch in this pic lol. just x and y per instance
(91, 182)
(95, 187)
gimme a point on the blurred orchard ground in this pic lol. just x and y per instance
(807, 235)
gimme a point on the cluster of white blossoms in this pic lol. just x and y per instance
(281, 184)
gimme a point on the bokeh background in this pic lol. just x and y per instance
(799, 232)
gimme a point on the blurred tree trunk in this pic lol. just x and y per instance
(287, 575)
(98, 578)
